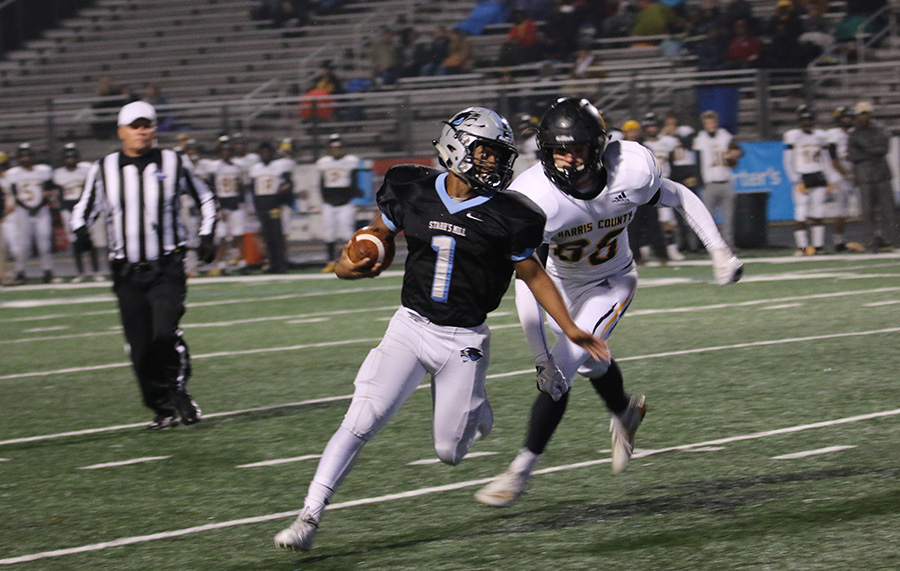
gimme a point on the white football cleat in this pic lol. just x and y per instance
(504, 490)
(727, 269)
(623, 427)
(299, 536)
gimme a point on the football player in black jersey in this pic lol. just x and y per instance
(465, 239)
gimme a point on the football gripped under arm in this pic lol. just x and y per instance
(531, 316)
(693, 210)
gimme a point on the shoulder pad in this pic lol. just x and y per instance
(404, 174)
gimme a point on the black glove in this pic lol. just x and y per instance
(207, 249)
(83, 240)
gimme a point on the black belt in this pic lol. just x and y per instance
(123, 267)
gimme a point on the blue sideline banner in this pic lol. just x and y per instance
(761, 170)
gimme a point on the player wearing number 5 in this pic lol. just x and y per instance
(465, 239)
(589, 191)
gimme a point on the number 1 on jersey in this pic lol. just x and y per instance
(443, 265)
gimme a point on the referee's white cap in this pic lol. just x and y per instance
(136, 110)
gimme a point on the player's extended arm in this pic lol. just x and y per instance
(346, 269)
(726, 267)
(550, 379)
(532, 273)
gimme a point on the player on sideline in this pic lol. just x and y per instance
(589, 191)
(465, 239)
(808, 167)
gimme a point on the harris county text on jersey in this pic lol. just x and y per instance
(621, 220)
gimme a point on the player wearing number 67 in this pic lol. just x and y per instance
(465, 239)
(589, 190)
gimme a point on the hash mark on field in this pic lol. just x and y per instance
(46, 329)
(280, 461)
(783, 306)
(428, 461)
(124, 462)
(826, 450)
(880, 303)
(706, 449)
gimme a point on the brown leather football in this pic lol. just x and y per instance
(372, 243)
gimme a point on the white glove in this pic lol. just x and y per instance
(727, 269)
(550, 380)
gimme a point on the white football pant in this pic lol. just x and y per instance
(338, 222)
(596, 307)
(457, 359)
(809, 205)
(37, 228)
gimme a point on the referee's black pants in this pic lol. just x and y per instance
(273, 235)
(151, 303)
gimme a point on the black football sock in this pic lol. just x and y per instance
(95, 263)
(545, 417)
(79, 265)
(611, 388)
(330, 247)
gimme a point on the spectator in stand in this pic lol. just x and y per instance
(438, 50)
(522, 43)
(740, 10)
(459, 58)
(654, 19)
(414, 52)
(110, 98)
(744, 48)
(818, 33)
(783, 50)
(326, 81)
(700, 21)
(867, 146)
(562, 29)
(619, 24)
(384, 55)
(484, 13)
(537, 9)
(711, 50)
(154, 96)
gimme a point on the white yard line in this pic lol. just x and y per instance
(280, 461)
(490, 376)
(881, 303)
(826, 450)
(783, 306)
(423, 491)
(124, 462)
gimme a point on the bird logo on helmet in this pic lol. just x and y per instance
(460, 138)
(569, 122)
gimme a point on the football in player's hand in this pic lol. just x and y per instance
(372, 243)
(732, 156)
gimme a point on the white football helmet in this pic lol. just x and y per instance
(463, 134)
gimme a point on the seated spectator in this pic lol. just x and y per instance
(744, 48)
(562, 29)
(700, 21)
(414, 52)
(485, 13)
(326, 81)
(384, 55)
(740, 10)
(817, 37)
(438, 50)
(711, 50)
(619, 25)
(459, 57)
(783, 31)
(165, 122)
(522, 43)
(654, 19)
(537, 9)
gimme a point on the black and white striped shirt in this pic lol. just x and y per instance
(141, 199)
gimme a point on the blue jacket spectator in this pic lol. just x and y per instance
(485, 13)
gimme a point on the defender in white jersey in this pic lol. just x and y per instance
(808, 167)
(230, 181)
(843, 189)
(69, 181)
(31, 187)
(589, 191)
(664, 148)
(337, 184)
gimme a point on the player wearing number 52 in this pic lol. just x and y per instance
(589, 189)
(466, 238)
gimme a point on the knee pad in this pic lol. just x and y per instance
(451, 452)
(366, 417)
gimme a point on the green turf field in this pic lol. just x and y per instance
(801, 356)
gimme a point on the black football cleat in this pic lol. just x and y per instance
(163, 422)
(188, 410)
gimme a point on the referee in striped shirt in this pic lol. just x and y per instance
(139, 192)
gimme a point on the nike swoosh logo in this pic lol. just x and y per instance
(473, 217)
